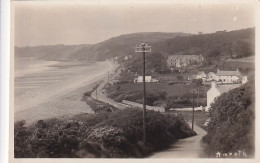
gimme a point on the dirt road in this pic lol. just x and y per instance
(102, 97)
(191, 147)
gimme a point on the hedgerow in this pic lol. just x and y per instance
(115, 134)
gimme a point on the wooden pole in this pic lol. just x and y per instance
(197, 97)
(144, 100)
(96, 91)
(192, 109)
(108, 77)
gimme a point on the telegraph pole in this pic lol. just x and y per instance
(198, 97)
(192, 109)
(108, 76)
(142, 49)
(96, 91)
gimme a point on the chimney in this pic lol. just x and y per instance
(213, 84)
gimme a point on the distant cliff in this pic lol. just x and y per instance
(219, 45)
(116, 46)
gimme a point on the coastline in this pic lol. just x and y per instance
(65, 101)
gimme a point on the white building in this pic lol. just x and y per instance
(228, 76)
(217, 90)
(184, 60)
(148, 79)
(211, 76)
(201, 75)
(244, 80)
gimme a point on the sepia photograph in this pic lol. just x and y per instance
(150, 80)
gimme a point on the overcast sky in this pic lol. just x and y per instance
(61, 23)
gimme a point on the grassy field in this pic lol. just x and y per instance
(171, 90)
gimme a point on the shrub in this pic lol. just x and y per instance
(115, 134)
(232, 121)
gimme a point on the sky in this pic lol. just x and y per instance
(46, 23)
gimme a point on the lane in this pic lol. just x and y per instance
(191, 147)
(102, 97)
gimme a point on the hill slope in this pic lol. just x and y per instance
(116, 46)
(219, 46)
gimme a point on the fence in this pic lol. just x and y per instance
(154, 108)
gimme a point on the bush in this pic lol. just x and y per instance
(115, 134)
(232, 121)
(98, 106)
(198, 82)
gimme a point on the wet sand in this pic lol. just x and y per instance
(56, 90)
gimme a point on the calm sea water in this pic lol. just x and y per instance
(33, 75)
(27, 66)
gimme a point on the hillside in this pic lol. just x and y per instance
(219, 45)
(116, 46)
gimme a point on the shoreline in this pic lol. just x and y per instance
(67, 101)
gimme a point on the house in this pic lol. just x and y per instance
(244, 80)
(211, 76)
(201, 75)
(229, 76)
(148, 79)
(184, 60)
(191, 77)
(216, 90)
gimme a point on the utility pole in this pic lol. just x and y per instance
(142, 49)
(96, 91)
(192, 109)
(108, 77)
(198, 97)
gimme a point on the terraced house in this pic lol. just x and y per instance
(184, 60)
(230, 77)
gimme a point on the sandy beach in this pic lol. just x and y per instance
(54, 89)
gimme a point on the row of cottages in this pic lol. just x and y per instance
(184, 60)
(225, 77)
(148, 79)
(230, 77)
(216, 90)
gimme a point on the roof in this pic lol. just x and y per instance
(146, 77)
(211, 73)
(201, 73)
(228, 73)
(226, 88)
(184, 56)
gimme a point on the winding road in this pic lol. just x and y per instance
(191, 147)
(102, 97)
